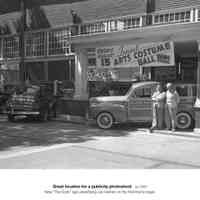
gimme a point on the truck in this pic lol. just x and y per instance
(38, 101)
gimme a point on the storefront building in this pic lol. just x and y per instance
(113, 41)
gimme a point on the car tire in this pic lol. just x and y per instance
(11, 118)
(105, 120)
(183, 120)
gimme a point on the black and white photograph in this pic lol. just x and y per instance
(88, 85)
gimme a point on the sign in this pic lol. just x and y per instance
(146, 55)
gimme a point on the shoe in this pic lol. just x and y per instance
(151, 130)
(173, 130)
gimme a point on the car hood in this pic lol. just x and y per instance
(109, 99)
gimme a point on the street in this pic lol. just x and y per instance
(61, 145)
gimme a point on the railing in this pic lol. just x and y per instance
(10, 47)
(57, 42)
(173, 17)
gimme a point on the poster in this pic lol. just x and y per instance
(131, 55)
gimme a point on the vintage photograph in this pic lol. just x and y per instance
(99, 84)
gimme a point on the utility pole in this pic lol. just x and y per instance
(22, 69)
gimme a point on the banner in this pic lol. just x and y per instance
(146, 55)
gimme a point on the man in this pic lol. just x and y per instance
(158, 99)
(172, 101)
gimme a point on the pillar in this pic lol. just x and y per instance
(197, 102)
(81, 91)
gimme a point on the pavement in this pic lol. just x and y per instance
(64, 145)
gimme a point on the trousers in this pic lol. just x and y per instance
(158, 116)
(170, 116)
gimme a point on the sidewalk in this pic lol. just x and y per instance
(189, 133)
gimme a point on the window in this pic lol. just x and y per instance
(143, 92)
(199, 15)
(59, 42)
(182, 90)
(92, 62)
(11, 47)
(91, 54)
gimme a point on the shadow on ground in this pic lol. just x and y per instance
(27, 134)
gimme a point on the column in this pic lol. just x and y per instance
(197, 103)
(81, 75)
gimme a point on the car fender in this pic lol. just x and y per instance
(118, 111)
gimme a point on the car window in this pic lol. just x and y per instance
(182, 90)
(143, 92)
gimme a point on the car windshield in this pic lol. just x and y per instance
(117, 89)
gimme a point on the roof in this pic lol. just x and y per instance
(171, 4)
(58, 15)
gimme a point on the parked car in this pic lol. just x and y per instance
(33, 101)
(5, 94)
(136, 106)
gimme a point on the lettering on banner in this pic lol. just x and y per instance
(150, 54)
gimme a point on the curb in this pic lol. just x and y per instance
(190, 134)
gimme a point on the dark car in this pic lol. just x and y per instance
(33, 101)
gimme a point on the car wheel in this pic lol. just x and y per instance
(11, 118)
(105, 120)
(183, 120)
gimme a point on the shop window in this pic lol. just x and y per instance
(105, 62)
(35, 71)
(188, 70)
(91, 54)
(11, 47)
(61, 70)
(92, 62)
(198, 15)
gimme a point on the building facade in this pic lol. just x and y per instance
(93, 42)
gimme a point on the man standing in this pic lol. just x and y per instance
(158, 99)
(172, 101)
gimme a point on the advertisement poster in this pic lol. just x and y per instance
(130, 55)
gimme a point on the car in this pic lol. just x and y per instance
(136, 106)
(33, 101)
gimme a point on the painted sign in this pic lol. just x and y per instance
(146, 55)
(113, 74)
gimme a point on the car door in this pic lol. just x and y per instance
(140, 104)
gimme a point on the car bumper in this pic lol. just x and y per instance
(24, 113)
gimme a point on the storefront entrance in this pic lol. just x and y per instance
(185, 68)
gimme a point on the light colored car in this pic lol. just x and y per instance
(136, 106)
